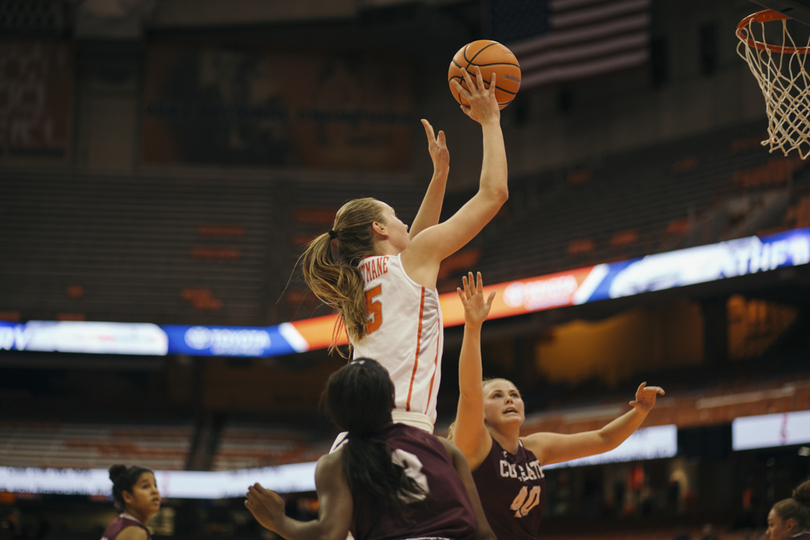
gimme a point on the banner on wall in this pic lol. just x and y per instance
(213, 105)
(36, 100)
(657, 272)
(291, 478)
(770, 430)
(646, 443)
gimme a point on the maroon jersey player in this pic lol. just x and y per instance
(790, 518)
(134, 492)
(507, 468)
(515, 478)
(388, 481)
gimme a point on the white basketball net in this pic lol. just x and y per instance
(783, 79)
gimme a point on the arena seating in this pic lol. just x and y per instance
(76, 445)
(222, 251)
(133, 245)
(649, 200)
(246, 446)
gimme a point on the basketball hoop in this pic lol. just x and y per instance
(785, 83)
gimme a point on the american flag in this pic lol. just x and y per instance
(562, 40)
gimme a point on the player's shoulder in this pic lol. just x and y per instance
(329, 468)
(448, 445)
(328, 462)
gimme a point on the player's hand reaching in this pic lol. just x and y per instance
(645, 397)
(483, 105)
(476, 308)
(265, 505)
(437, 146)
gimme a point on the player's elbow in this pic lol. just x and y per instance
(503, 194)
(498, 194)
(608, 442)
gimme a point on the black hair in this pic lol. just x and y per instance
(796, 507)
(123, 479)
(360, 398)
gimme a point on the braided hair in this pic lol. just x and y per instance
(360, 398)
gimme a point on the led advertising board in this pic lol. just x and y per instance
(770, 430)
(656, 272)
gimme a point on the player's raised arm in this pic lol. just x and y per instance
(429, 248)
(470, 433)
(431, 207)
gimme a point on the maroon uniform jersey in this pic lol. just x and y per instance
(120, 523)
(512, 488)
(445, 511)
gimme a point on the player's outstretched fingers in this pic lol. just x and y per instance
(428, 131)
(464, 93)
(473, 88)
(479, 80)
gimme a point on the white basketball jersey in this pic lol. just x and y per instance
(404, 333)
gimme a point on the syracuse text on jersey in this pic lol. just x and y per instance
(373, 268)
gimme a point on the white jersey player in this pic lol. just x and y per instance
(405, 332)
(381, 277)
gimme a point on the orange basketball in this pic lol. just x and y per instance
(489, 56)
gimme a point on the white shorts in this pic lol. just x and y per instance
(413, 419)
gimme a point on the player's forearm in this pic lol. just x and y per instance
(292, 529)
(431, 208)
(616, 432)
(469, 364)
(494, 170)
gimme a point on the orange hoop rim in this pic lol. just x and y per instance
(766, 15)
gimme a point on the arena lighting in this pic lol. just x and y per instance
(770, 430)
(172, 484)
(656, 272)
(646, 443)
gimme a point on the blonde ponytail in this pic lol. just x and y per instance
(331, 272)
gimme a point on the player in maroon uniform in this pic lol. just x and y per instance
(507, 468)
(790, 518)
(135, 492)
(389, 481)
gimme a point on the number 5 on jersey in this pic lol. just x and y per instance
(373, 309)
(522, 504)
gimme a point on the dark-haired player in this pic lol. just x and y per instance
(790, 518)
(388, 481)
(134, 492)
